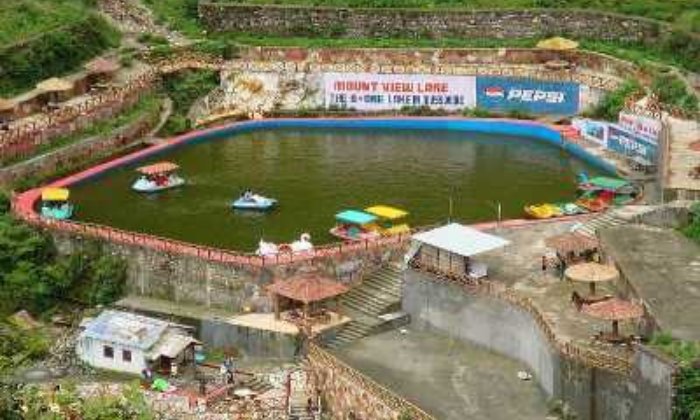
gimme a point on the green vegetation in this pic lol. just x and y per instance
(178, 14)
(609, 108)
(672, 91)
(687, 355)
(35, 278)
(24, 19)
(184, 89)
(693, 228)
(147, 105)
(32, 402)
(53, 53)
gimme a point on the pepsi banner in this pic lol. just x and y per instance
(533, 96)
(631, 144)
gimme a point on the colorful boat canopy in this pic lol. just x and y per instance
(55, 194)
(386, 212)
(607, 183)
(158, 168)
(355, 217)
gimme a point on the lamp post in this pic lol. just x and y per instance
(496, 206)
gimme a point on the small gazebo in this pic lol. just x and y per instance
(308, 289)
(571, 245)
(7, 108)
(58, 89)
(614, 310)
(592, 273)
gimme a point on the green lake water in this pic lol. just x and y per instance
(315, 173)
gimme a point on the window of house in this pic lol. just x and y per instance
(126, 355)
(108, 352)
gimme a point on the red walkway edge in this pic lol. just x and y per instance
(23, 206)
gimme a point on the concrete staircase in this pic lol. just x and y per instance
(614, 217)
(378, 294)
(603, 220)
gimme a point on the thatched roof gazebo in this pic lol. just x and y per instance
(614, 310)
(306, 289)
(565, 243)
(55, 84)
(557, 43)
(592, 273)
(7, 109)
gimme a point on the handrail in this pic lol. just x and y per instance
(22, 207)
(590, 357)
(400, 405)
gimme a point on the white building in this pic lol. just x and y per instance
(126, 342)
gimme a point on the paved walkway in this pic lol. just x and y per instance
(449, 379)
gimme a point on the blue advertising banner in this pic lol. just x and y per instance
(533, 96)
(631, 144)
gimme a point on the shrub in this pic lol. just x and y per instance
(613, 102)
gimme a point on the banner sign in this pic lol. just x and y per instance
(595, 131)
(374, 92)
(630, 144)
(538, 97)
(639, 124)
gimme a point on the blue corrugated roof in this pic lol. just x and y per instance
(126, 328)
(355, 217)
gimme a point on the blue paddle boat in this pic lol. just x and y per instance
(252, 201)
(55, 205)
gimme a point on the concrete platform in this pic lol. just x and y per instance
(449, 379)
(267, 322)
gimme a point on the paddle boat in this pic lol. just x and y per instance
(570, 209)
(252, 201)
(354, 225)
(157, 177)
(389, 220)
(55, 205)
(543, 211)
(303, 244)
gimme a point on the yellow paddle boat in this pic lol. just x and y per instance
(389, 220)
(543, 211)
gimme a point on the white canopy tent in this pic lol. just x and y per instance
(455, 240)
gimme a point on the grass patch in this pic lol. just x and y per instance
(53, 53)
(23, 19)
(180, 15)
(149, 104)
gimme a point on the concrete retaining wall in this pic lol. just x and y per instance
(595, 394)
(191, 280)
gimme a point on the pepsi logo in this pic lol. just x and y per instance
(495, 92)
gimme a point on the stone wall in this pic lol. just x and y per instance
(643, 393)
(197, 281)
(408, 23)
(77, 154)
(349, 394)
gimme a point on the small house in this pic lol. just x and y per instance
(127, 342)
